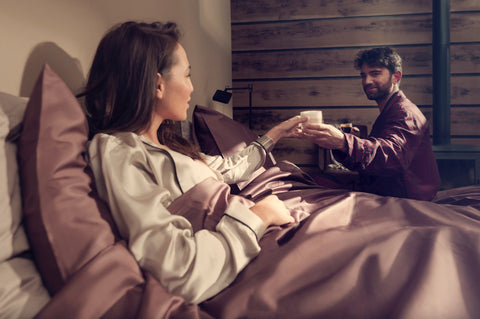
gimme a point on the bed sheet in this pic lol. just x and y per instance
(359, 255)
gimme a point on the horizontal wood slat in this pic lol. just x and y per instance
(465, 90)
(324, 93)
(306, 154)
(464, 27)
(347, 92)
(302, 154)
(268, 10)
(333, 33)
(465, 58)
(271, 10)
(466, 141)
(320, 63)
(368, 31)
(264, 119)
(464, 5)
(297, 151)
(463, 122)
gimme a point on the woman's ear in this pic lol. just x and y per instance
(160, 90)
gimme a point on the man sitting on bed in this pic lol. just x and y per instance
(396, 159)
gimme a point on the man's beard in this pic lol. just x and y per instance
(381, 93)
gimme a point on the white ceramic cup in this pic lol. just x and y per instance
(314, 117)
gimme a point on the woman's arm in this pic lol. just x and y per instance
(195, 265)
(240, 166)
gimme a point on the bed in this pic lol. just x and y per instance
(348, 254)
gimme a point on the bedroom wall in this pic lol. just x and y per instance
(298, 54)
(65, 33)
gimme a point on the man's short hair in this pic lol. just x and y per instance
(379, 57)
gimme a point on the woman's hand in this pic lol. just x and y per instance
(325, 135)
(288, 128)
(272, 211)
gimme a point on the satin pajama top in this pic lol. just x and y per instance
(139, 180)
(397, 157)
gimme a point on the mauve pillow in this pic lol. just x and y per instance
(62, 214)
(86, 268)
(217, 134)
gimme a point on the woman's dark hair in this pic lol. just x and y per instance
(383, 57)
(120, 91)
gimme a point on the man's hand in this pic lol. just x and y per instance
(324, 135)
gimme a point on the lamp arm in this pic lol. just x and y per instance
(249, 87)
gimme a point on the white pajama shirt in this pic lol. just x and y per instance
(139, 180)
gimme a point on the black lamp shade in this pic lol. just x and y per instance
(222, 96)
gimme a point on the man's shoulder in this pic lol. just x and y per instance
(402, 99)
(402, 102)
(402, 109)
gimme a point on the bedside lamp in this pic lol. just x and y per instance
(224, 96)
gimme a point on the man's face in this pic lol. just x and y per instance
(377, 82)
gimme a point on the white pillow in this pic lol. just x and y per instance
(22, 293)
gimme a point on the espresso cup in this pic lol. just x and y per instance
(314, 117)
(346, 127)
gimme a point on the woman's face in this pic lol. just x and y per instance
(175, 88)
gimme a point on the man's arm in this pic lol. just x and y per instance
(387, 153)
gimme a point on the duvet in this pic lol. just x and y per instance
(347, 255)
(350, 254)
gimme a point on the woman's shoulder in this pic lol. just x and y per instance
(117, 140)
(115, 145)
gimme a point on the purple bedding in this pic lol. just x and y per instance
(357, 255)
(349, 255)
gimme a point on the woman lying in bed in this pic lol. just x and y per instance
(347, 255)
(138, 84)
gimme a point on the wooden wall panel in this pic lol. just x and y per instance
(364, 31)
(320, 62)
(464, 121)
(302, 152)
(305, 154)
(333, 33)
(325, 92)
(465, 90)
(298, 55)
(272, 10)
(464, 27)
(464, 5)
(465, 58)
(465, 141)
(264, 118)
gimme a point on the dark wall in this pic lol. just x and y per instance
(298, 54)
